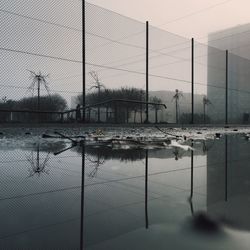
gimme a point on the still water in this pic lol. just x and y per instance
(99, 198)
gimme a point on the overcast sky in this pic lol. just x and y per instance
(115, 44)
(189, 18)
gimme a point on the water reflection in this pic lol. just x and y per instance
(177, 154)
(192, 183)
(96, 163)
(102, 154)
(95, 195)
(38, 166)
(146, 190)
(207, 145)
(226, 165)
(82, 198)
(228, 185)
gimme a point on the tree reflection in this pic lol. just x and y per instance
(38, 166)
(206, 146)
(96, 162)
(101, 154)
(177, 153)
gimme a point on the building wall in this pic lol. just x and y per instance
(237, 41)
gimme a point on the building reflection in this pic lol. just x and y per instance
(228, 185)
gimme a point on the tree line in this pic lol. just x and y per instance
(124, 110)
(54, 103)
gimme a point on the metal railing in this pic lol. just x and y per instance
(74, 115)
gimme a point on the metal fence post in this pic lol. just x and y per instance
(116, 112)
(192, 80)
(147, 48)
(226, 94)
(83, 60)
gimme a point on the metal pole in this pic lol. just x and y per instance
(116, 112)
(176, 111)
(38, 93)
(82, 197)
(204, 113)
(61, 117)
(192, 79)
(147, 48)
(83, 61)
(37, 157)
(98, 108)
(226, 94)
(192, 181)
(38, 98)
(192, 173)
(146, 190)
(226, 175)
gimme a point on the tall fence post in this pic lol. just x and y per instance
(147, 48)
(226, 94)
(83, 61)
(192, 81)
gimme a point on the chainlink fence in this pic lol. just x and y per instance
(42, 63)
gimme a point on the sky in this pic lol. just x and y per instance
(115, 44)
(189, 18)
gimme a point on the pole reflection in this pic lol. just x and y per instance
(82, 196)
(146, 190)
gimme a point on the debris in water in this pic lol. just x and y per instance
(218, 135)
(177, 145)
(247, 136)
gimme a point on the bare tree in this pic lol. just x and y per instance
(37, 80)
(156, 107)
(96, 85)
(4, 99)
(178, 94)
(206, 102)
